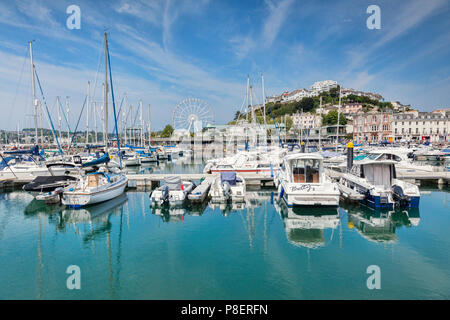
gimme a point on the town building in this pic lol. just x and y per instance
(298, 95)
(372, 127)
(323, 86)
(351, 108)
(422, 126)
(306, 120)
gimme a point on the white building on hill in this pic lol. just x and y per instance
(322, 86)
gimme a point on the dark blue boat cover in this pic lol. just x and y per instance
(229, 177)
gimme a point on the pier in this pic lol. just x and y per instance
(439, 177)
(152, 180)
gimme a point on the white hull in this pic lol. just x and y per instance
(80, 198)
(131, 162)
(30, 173)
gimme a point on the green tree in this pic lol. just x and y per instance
(167, 131)
(331, 118)
(307, 104)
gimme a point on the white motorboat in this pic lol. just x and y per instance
(147, 157)
(130, 159)
(376, 181)
(174, 191)
(246, 162)
(93, 188)
(403, 163)
(302, 181)
(199, 194)
(228, 187)
(28, 170)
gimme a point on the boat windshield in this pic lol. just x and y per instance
(305, 170)
(373, 156)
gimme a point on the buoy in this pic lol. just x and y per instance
(350, 225)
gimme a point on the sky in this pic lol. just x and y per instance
(164, 51)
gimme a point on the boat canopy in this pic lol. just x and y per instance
(379, 173)
(103, 159)
(229, 177)
(133, 147)
(33, 151)
(173, 182)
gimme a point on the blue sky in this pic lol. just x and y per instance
(163, 51)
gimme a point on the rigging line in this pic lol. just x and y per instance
(114, 103)
(120, 108)
(18, 83)
(98, 71)
(64, 114)
(20, 80)
(76, 128)
(48, 113)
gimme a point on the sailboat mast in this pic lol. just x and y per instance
(106, 93)
(40, 124)
(33, 89)
(95, 122)
(338, 119)
(246, 97)
(87, 112)
(264, 100)
(251, 105)
(320, 127)
(149, 126)
(59, 117)
(67, 109)
(142, 124)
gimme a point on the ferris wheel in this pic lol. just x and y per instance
(192, 114)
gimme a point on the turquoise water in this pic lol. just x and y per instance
(260, 250)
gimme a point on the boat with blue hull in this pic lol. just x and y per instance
(376, 181)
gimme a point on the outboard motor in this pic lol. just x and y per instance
(399, 196)
(226, 189)
(165, 194)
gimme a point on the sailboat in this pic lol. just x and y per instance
(104, 185)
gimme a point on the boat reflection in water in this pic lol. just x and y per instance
(305, 226)
(169, 213)
(62, 216)
(93, 213)
(380, 225)
(227, 208)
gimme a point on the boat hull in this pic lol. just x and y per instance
(76, 199)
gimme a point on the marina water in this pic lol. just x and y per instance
(126, 250)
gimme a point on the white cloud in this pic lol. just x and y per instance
(273, 23)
